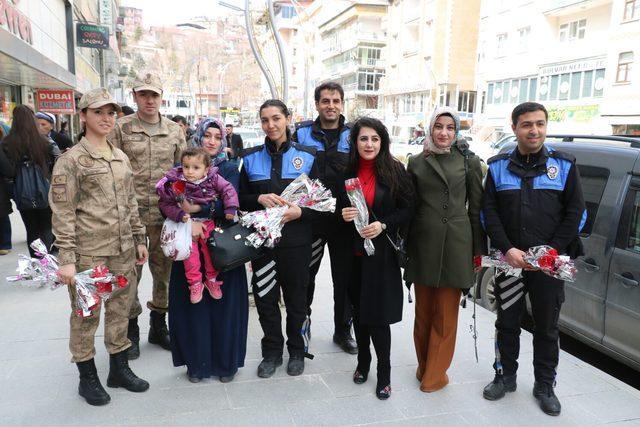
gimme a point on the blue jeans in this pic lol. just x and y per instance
(5, 232)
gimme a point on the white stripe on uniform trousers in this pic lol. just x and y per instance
(316, 243)
(316, 259)
(267, 289)
(266, 279)
(316, 251)
(508, 281)
(513, 300)
(506, 294)
(266, 268)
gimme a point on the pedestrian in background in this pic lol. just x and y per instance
(25, 147)
(46, 125)
(5, 202)
(234, 145)
(375, 282)
(210, 338)
(153, 144)
(444, 236)
(532, 197)
(266, 171)
(96, 222)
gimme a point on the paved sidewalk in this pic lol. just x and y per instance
(38, 384)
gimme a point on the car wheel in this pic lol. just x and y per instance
(487, 290)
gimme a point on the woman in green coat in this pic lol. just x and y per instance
(444, 236)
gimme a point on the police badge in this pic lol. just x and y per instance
(297, 163)
(552, 172)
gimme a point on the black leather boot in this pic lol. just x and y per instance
(120, 375)
(500, 385)
(133, 333)
(158, 331)
(268, 366)
(90, 387)
(547, 399)
(346, 342)
(295, 366)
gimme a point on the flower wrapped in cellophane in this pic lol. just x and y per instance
(356, 197)
(497, 260)
(546, 259)
(303, 192)
(91, 286)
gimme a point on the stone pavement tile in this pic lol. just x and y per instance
(575, 380)
(608, 406)
(276, 391)
(437, 420)
(343, 411)
(627, 423)
(31, 388)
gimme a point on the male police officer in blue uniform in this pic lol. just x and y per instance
(532, 197)
(329, 136)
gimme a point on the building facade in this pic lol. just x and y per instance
(431, 58)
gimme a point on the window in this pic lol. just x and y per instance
(572, 30)
(598, 86)
(553, 91)
(564, 86)
(490, 93)
(633, 240)
(631, 10)
(369, 80)
(533, 84)
(587, 84)
(593, 180)
(523, 39)
(625, 60)
(574, 91)
(501, 44)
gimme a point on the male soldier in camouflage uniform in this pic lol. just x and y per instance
(153, 144)
(95, 221)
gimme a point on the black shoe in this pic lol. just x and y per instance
(547, 399)
(383, 393)
(194, 379)
(227, 379)
(158, 331)
(133, 333)
(346, 342)
(500, 385)
(120, 375)
(90, 387)
(360, 377)
(295, 366)
(268, 366)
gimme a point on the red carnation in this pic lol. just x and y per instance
(122, 281)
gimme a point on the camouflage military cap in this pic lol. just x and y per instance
(148, 82)
(97, 98)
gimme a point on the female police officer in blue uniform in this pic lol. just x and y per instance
(266, 171)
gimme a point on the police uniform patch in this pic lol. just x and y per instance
(297, 162)
(552, 172)
(85, 161)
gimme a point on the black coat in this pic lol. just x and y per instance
(381, 290)
(236, 145)
(7, 171)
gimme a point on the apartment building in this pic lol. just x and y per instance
(431, 58)
(575, 57)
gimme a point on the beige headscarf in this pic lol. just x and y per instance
(430, 146)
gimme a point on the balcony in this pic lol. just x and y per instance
(350, 67)
(557, 8)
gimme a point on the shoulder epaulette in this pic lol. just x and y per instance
(305, 148)
(562, 155)
(248, 151)
(304, 124)
(498, 157)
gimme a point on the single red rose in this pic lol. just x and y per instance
(122, 281)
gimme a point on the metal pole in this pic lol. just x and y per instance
(256, 54)
(284, 70)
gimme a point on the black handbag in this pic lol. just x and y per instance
(229, 249)
(398, 246)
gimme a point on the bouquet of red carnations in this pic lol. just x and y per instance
(303, 192)
(497, 260)
(543, 258)
(356, 197)
(92, 286)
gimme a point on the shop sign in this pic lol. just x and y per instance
(106, 17)
(574, 113)
(574, 66)
(55, 101)
(15, 21)
(95, 36)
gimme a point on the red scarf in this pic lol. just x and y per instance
(367, 177)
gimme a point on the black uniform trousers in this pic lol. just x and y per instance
(546, 295)
(286, 268)
(326, 231)
(380, 334)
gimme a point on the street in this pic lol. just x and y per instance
(39, 385)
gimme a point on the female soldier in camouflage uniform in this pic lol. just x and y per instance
(95, 221)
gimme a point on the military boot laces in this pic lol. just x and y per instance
(90, 387)
(158, 330)
(120, 375)
(547, 399)
(501, 385)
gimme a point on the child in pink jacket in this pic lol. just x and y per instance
(198, 183)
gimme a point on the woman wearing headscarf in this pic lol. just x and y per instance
(210, 337)
(444, 236)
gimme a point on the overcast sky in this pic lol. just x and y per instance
(177, 12)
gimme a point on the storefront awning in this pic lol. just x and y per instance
(23, 65)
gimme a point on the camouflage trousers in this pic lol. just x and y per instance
(116, 309)
(160, 267)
